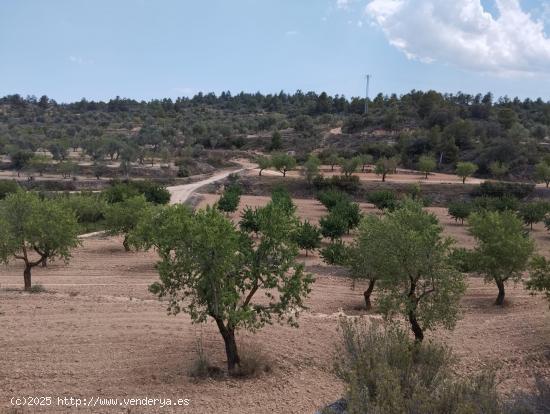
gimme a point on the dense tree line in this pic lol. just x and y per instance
(504, 137)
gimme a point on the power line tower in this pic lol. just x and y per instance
(367, 95)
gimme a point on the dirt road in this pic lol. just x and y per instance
(180, 193)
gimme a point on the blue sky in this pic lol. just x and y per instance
(147, 49)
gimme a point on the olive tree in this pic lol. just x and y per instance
(503, 248)
(210, 269)
(533, 212)
(426, 164)
(311, 168)
(283, 163)
(405, 253)
(349, 166)
(542, 173)
(385, 166)
(35, 231)
(263, 164)
(465, 170)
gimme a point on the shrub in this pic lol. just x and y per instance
(329, 198)
(386, 372)
(350, 212)
(250, 221)
(307, 236)
(485, 203)
(383, 199)
(229, 201)
(533, 212)
(37, 288)
(460, 210)
(8, 187)
(120, 191)
(333, 226)
(503, 189)
(347, 184)
(335, 253)
(282, 199)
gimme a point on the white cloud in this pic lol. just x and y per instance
(462, 33)
(291, 33)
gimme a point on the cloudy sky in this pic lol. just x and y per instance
(145, 49)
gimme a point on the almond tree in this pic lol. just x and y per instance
(35, 230)
(210, 269)
(503, 248)
(405, 254)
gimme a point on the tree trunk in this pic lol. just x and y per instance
(426, 175)
(284, 173)
(125, 243)
(260, 174)
(367, 293)
(228, 335)
(27, 278)
(383, 177)
(463, 180)
(501, 292)
(417, 330)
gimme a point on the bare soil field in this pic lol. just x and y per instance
(97, 331)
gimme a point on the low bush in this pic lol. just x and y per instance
(385, 371)
(8, 187)
(383, 199)
(503, 189)
(331, 197)
(335, 253)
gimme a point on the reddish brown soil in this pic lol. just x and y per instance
(98, 332)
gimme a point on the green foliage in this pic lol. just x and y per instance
(503, 248)
(503, 189)
(533, 212)
(307, 236)
(210, 269)
(336, 253)
(229, 200)
(33, 226)
(350, 212)
(283, 163)
(99, 169)
(281, 198)
(465, 170)
(498, 169)
(89, 210)
(348, 184)
(349, 166)
(426, 164)
(329, 198)
(542, 173)
(407, 254)
(120, 191)
(460, 210)
(263, 163)
(539, 276)
(384, 371)
(250, 220)
(123, 217)
(311, 168)
(505, 203)
(276, 141)
(8, 187)
(383, 199)
(385, 166)
(333, 226)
